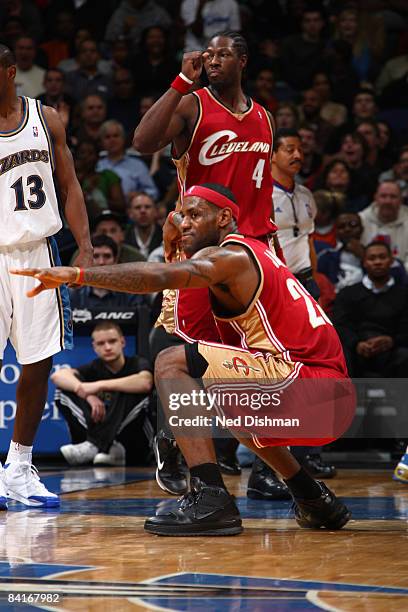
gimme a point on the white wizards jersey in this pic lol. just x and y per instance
(28, 205)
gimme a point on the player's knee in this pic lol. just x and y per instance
(169, 361)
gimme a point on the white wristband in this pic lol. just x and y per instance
(186, 79)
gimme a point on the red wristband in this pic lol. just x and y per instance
(79, 279)
(182, 84)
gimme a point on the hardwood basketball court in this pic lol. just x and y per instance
(94, 555)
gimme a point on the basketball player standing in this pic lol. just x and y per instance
(33, 151)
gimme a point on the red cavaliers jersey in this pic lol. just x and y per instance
(234, 150)
(283, 319)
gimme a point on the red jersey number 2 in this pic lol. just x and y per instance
(317, 316)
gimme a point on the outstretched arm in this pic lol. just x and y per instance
(69, 189)
(211, 266)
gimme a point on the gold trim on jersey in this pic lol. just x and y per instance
(238, 116)
(47, 133)
(183, 161)
(253, 326)
(59, 300)
(233, 363)
(166, 317)
(234, 238)
(195, 128)
(268, 118)
(23, 122)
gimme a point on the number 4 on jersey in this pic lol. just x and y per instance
(258, 173)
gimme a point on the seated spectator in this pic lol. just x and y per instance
(386, 135)
(354, 151)
(28, 13)
(87, 79)
(104, 401)
(164, 174)
(111, 224)
(365, 34)
(364, 106)
(329, 205)
(102, 190)
(124, 104)
(312, 160)
(287, 116)
(132, 17)
(368, 128)
(337, 176)
(264, 89)
(155, 66)
(144, 233)
(301, 54)
(345, 82)
(343, 264)
(29, 77)
(11, 29)
(205, 19)
(92, 116)
(120, 56)
(386, 220)
(105, 254)
(53, 94)
(71, 63)
(310, 114)
(334, 113)
(132, 171)
(399, 174)
(371, 318)
(58, 48)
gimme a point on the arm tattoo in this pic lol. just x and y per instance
(132, 277)
(152, 277)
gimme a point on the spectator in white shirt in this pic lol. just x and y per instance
(204, 18)
(29, 77)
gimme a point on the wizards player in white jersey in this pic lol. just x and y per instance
(33, 150)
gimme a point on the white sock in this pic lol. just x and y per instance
(19, 453)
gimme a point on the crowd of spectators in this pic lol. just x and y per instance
(335, 71)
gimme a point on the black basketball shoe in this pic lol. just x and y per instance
(263, 483)
(325, 511)
(228, 464)
(316, 467)
(202, 512)
(169, 475)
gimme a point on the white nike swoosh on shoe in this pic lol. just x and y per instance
(160, 464)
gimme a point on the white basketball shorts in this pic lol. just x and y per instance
(37, 327)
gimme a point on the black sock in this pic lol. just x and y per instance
(209, 473)
(303, 486)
